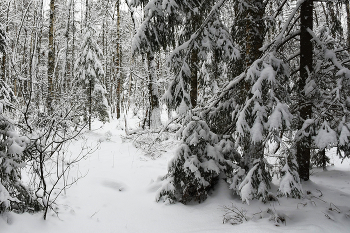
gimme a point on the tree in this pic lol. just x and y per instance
(306, 69)
(51, 57)
(196, 166)
(90, 72)
(200, 35)
(13, 156)
(14, 194)
(2, 42)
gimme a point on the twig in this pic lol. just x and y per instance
(303, 204)
(320, 192)
(327, 216)
(334, 209)
(94, 214)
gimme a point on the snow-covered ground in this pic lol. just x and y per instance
(118, 195)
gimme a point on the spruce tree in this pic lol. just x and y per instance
(13, 157)
(197, 164)
(90, 71)
(203, 33)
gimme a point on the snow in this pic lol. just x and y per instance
(119, 191)
(325, 137)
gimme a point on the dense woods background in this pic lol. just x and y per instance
(248, 79)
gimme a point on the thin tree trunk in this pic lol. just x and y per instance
(73, 38)
(194, 65)
(118, 62)
(67, 68)
(4, 56)
(90, 102)
(154, 119)
(324, 159)
(41, 59)
(86, 12)
(103, 40)
(24, 82)
(3, 67)
(305, 111)
(194, 77)
(51, 58)
(347, 6)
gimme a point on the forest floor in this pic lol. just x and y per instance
(118, 195)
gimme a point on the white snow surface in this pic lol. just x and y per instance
(118, 195)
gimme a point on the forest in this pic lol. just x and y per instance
(247, 99)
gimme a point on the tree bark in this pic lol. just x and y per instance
(347, 6)
(254, 24)
(90, 102)
(153, 92)
(324, 159)
(118, 61)
(3, 67)
(67, 69)
(4, 55)
(86, 13)
(73, 37)
(305, 109)
(51, 58)
(255, 28)
(194, 77)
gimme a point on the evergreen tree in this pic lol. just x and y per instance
(290, 184)
(13, 157)
(203, 33)
(195, 169)
(90, 71)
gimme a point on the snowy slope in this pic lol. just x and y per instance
(118, 195)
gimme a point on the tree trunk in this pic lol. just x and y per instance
(324, 159)
(90, 102)
(67, 69)
(254, 39)
(194, 78)
(305, 110)
(194, 65)
(154, 115)
(3, 67)
(118, 61)
(104, 41)
(4, 55)
(73, 37)
(255, 28)
(347, 6)
(86, 13)
(51, 58)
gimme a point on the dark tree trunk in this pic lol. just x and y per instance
(194, 78)
(67, 70)
(73, 38)
(86, 13)
(118, 62)
(254, 39)
(119, 87)
(152, 88)
(194, 64)
(51, 58)
(305, 108)
(90, 102)
(324, 159)
(255, 28)
(3, 67)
